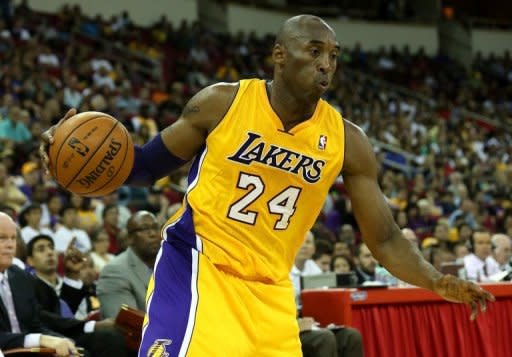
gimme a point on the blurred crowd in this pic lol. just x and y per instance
(446, 175)
(445, 171)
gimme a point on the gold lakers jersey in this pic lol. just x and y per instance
(256, 189)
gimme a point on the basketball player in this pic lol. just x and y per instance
(266, 153)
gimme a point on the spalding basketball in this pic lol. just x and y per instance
(92, 154)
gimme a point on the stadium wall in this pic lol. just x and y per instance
(489, 41)
(142, 12)
(370, 35)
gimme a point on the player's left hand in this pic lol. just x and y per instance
(47, 140)
(456, 290)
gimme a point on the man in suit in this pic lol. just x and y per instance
(125, 279)
(19, 311)
(100, 338)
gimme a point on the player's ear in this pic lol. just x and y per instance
(278, 54)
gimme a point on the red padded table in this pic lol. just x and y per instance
(410, 322)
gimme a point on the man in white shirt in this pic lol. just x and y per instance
(19, 323)
(304, 265)
(480, 265)
(316, 341)
(502, 251)
(68, 230)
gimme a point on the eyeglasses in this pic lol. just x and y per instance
(146, 229)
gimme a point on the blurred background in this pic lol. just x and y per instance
(430, 82)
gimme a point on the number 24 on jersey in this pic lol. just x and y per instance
(282, 204)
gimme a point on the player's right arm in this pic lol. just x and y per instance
(200, 116)
(177, 143)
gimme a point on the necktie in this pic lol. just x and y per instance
(9, 304)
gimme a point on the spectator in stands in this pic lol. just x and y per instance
(125, 101)
(40, 196)
(68, 230)
(89, 276)
(13, 129)
(31, 177)
(155, 202)
(101, 78)
(23, 327)
(479, 264)
(10, 194)
(342, 248)
(347, 234)
(441, 255)
(30, 221)
(424, 222)
(99, 254)
(365, 264)
(502, 251)
(86, 219)
(144, 119)
(304, 264)
(466, 211)
(442, 233)
(125, 279)
(72, 93)
(464, 232)
(323, 254)
(54, 206)
(460, 250)
(320, 341)
(110, 219)
(342, 264)
(100, 338)
(112, 199)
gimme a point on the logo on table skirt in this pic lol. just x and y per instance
(358, 296)
(322, 142)
(158, 348)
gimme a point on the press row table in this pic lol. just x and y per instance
(414, 322)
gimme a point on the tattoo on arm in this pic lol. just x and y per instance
(191, 109)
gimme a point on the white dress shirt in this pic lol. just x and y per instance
(27, 233)
(478, 269)
(310, 268)
(64, 235)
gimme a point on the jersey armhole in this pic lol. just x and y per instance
(242, 87)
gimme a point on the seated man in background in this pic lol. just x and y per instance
(365, 264)
(91, 303)
(19, 310)
(125, 279)
(69, 229)
(323, 255)
(502, 251)
(480, 265)
(320, 342)
(100, 338)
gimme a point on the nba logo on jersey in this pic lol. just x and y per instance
(158, 349)
(322, 142)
